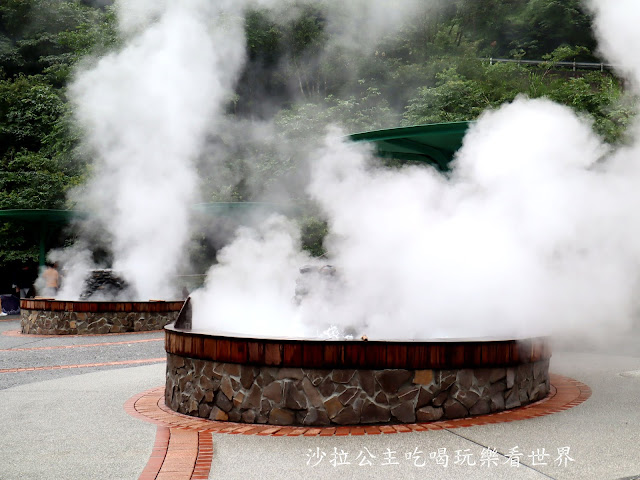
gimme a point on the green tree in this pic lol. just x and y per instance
(49, 36)
(454, 98)
(37, 164)
(32, 181)
(545, 25)
(464, 96)
(40, 43)
(29, 108)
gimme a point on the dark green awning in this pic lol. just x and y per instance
(216, 208)
(43, 219)
(51, 216)
(436, 143)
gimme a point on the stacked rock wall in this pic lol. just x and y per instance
(323, 397)
(52, 317)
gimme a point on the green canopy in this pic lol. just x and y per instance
(44, 219)
(436, 143)
(51, 216)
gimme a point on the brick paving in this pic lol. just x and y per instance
(84, 365)
(84, 345)
(184, 446)
(18, 333)
(184, 449)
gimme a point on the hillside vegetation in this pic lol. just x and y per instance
(434, 69)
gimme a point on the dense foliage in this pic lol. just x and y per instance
(434, 69)
(40, 42)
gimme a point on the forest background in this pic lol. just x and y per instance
(436, 68)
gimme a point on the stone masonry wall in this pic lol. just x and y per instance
(43, 322)
(297, 396)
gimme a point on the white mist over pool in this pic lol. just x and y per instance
(522, 238)
(532, 232)
(146, 110)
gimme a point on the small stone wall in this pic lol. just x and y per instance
(302, 396)
(54, 317)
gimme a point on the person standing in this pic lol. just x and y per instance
(52, 280)
(24, 283)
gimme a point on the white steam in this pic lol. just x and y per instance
(525, 237)
(251, 289)
(359, 25)
(76, 261)
(618, 39)
(533, 232)
(146, 110)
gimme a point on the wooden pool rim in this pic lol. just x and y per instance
(80, 306)
(329, 354)
(46, 316)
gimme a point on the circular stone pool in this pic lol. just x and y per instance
(326, 382)
(60, 317)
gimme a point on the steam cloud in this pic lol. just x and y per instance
(524, 238)
(534, 230)
(146, 110)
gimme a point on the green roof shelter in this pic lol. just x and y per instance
(44, 221)
(435, 143)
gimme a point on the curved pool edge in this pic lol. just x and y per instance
(43, 316)
(331, 383)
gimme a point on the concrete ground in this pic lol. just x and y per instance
(70, 423)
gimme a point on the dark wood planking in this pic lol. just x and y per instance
(353, 354)
(98, 307)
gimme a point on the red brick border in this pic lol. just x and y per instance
(158, 454)
(84, 365)
(565, 393)
(18, 333)
(179, 452)
(10, 319)
(149, 406)
(81, 345)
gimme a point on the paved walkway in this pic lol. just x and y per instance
(90, 407)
